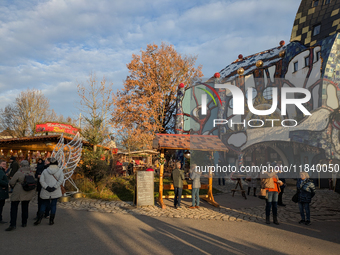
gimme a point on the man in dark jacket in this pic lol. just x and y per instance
(3, 187)
(130, 168)
(178, 177)
(41, 166)
(14, 166)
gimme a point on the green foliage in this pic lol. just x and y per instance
(200, 158)
(109, 188)
(93, 166)
(92, 131)
(124, 187)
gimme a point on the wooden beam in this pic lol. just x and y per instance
(161, 172)
(210, 198)
(176, 148)
(186, 186)
(185, 196)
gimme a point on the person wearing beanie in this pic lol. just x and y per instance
(20, 195)
(50, 181)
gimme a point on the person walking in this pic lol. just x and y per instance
(20, 195)
(50, 181)
(271, 183)
(3, 188)
(221, 175)
(41, 166)
(195, 176)
(130, 168)
(280, 202)
(178, 177)
(306, 191)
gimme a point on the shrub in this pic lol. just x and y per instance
(93, 165)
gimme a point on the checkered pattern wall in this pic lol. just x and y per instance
(316, 20)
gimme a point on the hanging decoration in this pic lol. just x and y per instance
(68, 156)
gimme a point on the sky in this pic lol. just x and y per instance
(53, 45)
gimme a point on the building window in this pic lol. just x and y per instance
(315, 3)
(318, 55)
(316, 29)
(268, 93)
(296, 66)
(327, 1)
(231, 104)
(306, 61)
(254, 94)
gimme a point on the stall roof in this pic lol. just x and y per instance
(42, 138)
(143, 152)
(189, 142)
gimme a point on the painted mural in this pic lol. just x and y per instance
(311, 139)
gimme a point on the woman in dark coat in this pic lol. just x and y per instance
(50, 181)
(41, 166)
(3, 188)
(306, 191)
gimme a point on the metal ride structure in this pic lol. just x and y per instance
(68, 156)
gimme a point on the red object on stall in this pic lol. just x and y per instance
(56, 128)
(217, 75)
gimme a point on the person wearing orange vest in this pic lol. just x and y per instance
(271, 183)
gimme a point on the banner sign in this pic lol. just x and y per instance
(56, 128)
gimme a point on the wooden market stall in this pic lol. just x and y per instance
(32, 147)
(142, 158)
(187, 142)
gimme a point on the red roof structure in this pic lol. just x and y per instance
(42, 138)
(189, 142)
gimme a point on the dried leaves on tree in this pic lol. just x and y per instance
(147, 105)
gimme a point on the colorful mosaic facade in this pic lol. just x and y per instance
(313, 65)
(316, 20)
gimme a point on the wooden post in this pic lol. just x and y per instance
(161, 173)
(210, 194)
(210, 197)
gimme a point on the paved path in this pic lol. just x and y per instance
(83, 232)
(324, 207)
(88, 226)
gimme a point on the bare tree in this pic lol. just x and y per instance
(30, 108)
(54, 117)
(96, 100)
(10, 123)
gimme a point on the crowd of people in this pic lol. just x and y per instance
(24, 183)
(48, 177)
(272, 189)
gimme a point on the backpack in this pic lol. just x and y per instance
(29, 183)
